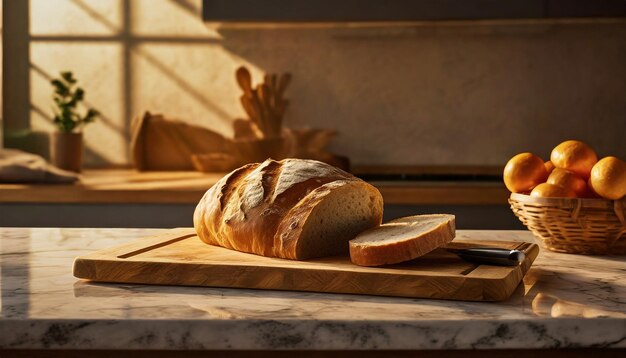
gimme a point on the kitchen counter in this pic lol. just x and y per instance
(128, 198)
(567, 301)
(126, 186)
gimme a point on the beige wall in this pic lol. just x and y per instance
(472, 93)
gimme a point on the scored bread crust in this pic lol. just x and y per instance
(366, 252)
(262, 208)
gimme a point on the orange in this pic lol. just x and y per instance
(575, 156)
(545, 190)
(549, 166)
(523, 172)
(568, 180)
(590, 192)
(608, 178)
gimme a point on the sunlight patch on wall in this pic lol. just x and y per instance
(75, 17)
(179, 82)
(97, 67)
(131, 56)
(171, 18)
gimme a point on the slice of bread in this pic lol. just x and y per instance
(402, 239)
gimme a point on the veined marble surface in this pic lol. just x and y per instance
(566, 301)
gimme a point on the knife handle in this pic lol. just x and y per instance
(491, 256)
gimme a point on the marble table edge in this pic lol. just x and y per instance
(302, 334)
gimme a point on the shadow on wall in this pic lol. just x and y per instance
(48, 77)
(91, 154)
(468, 93)
(464, 93)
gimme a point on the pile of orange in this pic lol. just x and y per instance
(573, 171)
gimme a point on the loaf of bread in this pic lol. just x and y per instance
(292, 209)
(402, 239)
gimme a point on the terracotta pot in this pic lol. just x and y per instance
(66, 150)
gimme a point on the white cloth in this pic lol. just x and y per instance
(17, 166)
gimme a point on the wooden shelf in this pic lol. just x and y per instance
(494, 170)
(132, 187)
(443, 193)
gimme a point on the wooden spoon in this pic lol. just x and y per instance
(283, 82)
(264, 121)
(249, 108)
(245, 80)
(265, 95)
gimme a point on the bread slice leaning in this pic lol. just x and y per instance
(402, 239)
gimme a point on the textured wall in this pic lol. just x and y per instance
(472, 93)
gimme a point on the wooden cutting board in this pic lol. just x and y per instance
(178, 257)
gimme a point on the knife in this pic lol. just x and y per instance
(490, 256)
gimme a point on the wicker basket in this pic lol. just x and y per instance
(575, 226)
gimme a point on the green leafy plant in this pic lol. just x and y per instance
(67, 96)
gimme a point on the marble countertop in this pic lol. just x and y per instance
(567, 301)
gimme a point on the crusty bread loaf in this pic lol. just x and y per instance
(402, 239)
(293, 209)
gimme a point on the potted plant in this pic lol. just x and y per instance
(67, 144)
